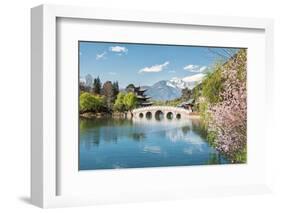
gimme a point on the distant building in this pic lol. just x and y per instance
(187, 105)
(143, 100)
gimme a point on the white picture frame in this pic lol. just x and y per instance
(45, 171)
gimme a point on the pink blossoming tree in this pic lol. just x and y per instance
(228, 116)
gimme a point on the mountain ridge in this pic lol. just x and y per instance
(171, 89)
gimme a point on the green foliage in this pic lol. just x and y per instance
(196, 92)
(212, 86)
(186, 94)
(130, 101)
(204, 114)
(130, 88)
(119, 102)
(241, 156)
(89, 102)
(212, 137)
(125, 101)
(97, 86)
(115, 86)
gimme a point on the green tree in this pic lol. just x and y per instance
(130, 88)
(212, 86)
(97, 86)
(119, 102)
(130, 101)
(89, 102)
(186, 94)
(115, 89)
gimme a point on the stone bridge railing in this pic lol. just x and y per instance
(165, 111)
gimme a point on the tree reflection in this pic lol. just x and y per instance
(183, 142)
(214, 158)
(199, 128)
(138, 136)
(93, 131)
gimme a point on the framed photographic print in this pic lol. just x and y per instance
(130, 106)
(143, 105)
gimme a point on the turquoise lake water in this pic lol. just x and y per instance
(115, 143)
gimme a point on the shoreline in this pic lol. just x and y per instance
(121, 115)
(92, 115)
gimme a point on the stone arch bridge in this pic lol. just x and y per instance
(166, 112)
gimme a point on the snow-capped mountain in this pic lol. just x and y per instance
(171, 89)
(162, 91)
(186, 82)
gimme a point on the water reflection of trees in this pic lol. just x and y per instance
(193, 128)
(199, 128)
(185, 129)
(214, 158)
(92, 132)
(138, 136)
(86, 124)
(191, 135)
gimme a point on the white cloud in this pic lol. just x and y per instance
(190, 67)
(155, 68)
(203, 68)
(118, 49)
(101, 56)
(171, 71)
(195, 68)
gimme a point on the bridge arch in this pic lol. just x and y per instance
(170, 115)
(148, 115)
(159, 115)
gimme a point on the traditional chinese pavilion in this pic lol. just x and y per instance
(143, 99)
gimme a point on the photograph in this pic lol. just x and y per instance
(145, 105)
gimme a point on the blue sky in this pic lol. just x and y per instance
(144, 64)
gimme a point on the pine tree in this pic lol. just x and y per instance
(130, 88)
(115, 89)
(97, 86)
